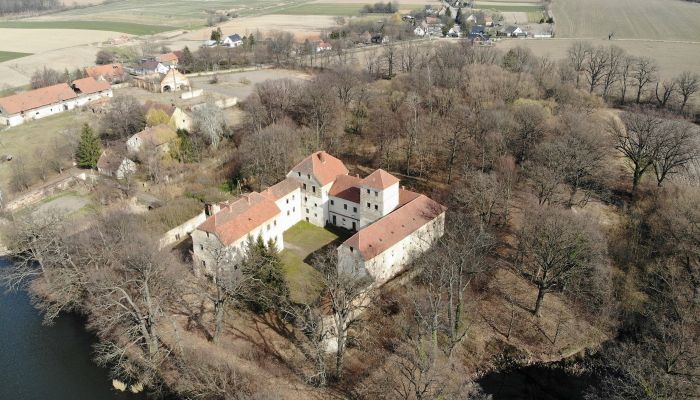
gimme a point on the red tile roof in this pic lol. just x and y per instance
(323, 166)
(346, 187)
(239, 218)
(90, 85)
(157, 135)
(281, 189)
(36, 98)
(380, 180)
(374, 239)
(167, 57)
(108, 71)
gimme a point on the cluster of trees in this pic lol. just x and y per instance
(380, 8)
(49, 76)
(23, 6)
(610, 71)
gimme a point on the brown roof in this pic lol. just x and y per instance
(90, 85)
(345, 187)
(36, 98)
(374, 239)
(108, 70)
(281, 189)
(406, 196)
(110, 160)
(380, 180)
(157, 135)
(323, 166)
(237, 219)
(167, 57)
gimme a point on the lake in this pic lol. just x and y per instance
(40, 362)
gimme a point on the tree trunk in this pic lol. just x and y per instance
(219, 319)
(538, 303)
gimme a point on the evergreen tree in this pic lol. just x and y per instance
(458, 17)
(267, 289)
(216, 35)
(89, 148)
(187, 58)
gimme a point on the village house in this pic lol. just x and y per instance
(168, 58)
(392, 225)
(115, 164)
(234, 40)
(156, 137)
(50, 100)
(112, 73)
(179, 119)
(419, 31)
(323, 46)
(149, 67)
(514, 31)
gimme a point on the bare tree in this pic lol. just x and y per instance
(209, 122)
(596, 66)
(613, 74)
(668, 89)
(124, 117)
(688, 84)
(346, 291)
(643, 73)
(578, 53)
(554, 248)
(678, 146)
(280, 45)
(638, 138)
(626, 68)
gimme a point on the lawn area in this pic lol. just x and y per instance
(535, 16)
(112, 26)
(11, 55)
(27, 141)
(336, 9)
(300, 241)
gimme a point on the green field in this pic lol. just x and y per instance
(124, 27)
(10, 55)
(339, 9)
(186, 14)
(535, 16)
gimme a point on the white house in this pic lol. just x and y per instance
(514, 31)
(116, 165)
(323, 46)
(50, 100)
(419, 31)
(393, 225)
(234, 40)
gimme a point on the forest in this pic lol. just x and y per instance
(24, 6)
(572, 234)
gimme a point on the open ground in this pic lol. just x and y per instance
(11, 55)
(109, 26)
(630, 19)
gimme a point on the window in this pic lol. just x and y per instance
(354, 209)
(207, 234)
(332, 203)
(274, 222)
(177, 236)
(287, 212)
(376, 193)
(268, 227)
(294, 209)
(313, 189)
(352, 249)
(299, 174)
(369, 205)
(367, 191)
(308, 176)
(305, 186)
(293, 196)
(315, 204)
(201, 247)
(307, 210)
(306, 199)
(345, 206)
(376, 207)
(204, 263)
(287, 201)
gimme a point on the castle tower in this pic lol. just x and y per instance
(379, 195)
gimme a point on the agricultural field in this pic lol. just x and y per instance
(109, 26)
(672, 58)
(11, 55)
(510, 6)
(187, 14)
(333, 9)
(671, 20)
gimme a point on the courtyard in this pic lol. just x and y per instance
(301, 241)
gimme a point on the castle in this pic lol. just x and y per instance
(392, 225)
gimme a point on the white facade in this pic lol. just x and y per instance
(391, 261)
(38, 113)
(410, 228)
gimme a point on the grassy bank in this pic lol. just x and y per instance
(11, 55)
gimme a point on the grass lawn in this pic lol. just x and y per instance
(112, 26)
(26, 141)
(11, 55)
(336, 9)
(535, 16)
(300, 241)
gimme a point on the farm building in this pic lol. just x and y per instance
(160, 83)
(234, 40)
(50, 100)
(112, 73)
(392, 225)
(157, 137)
(115, 164)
